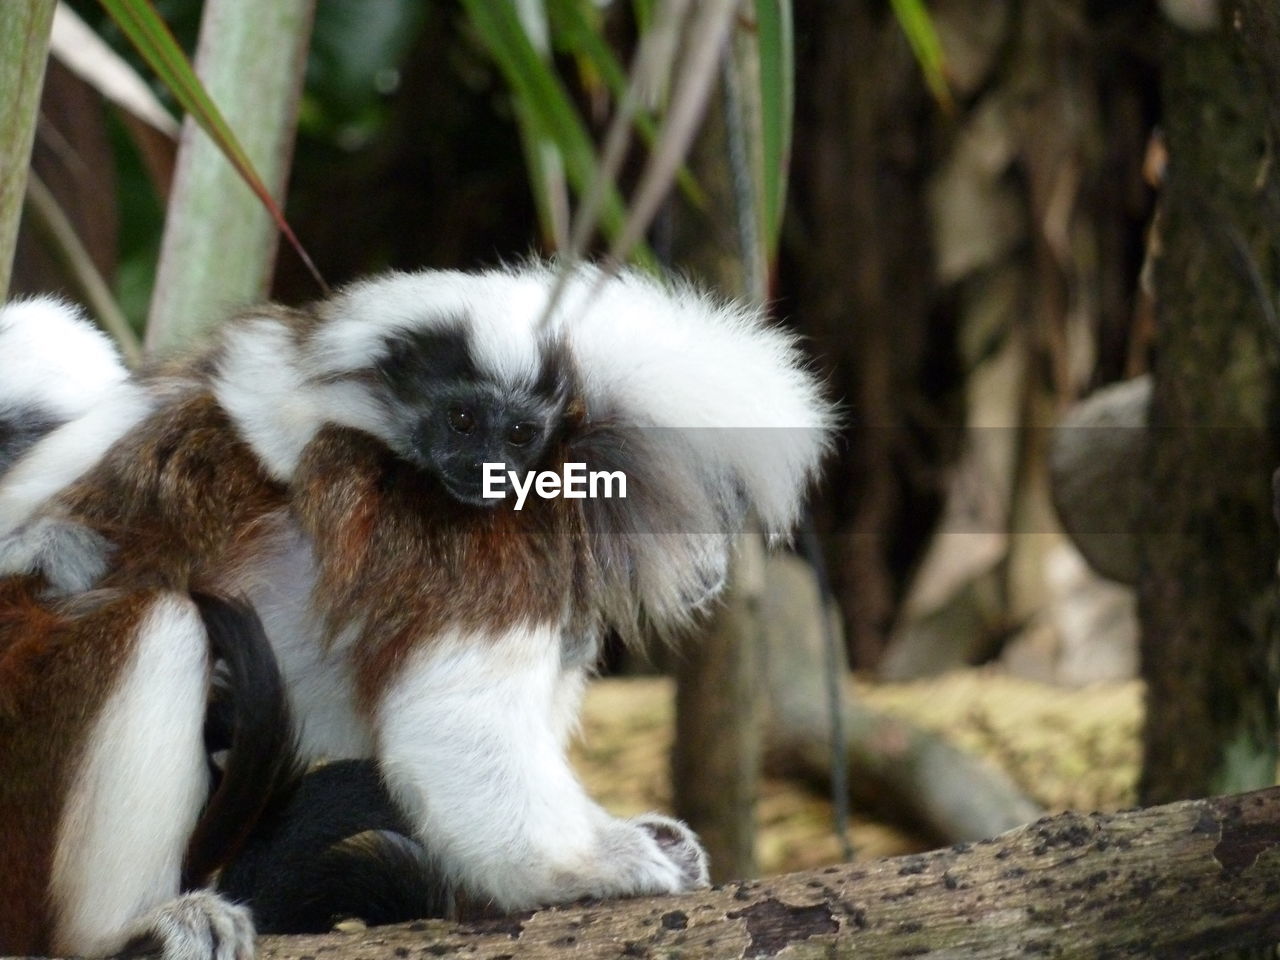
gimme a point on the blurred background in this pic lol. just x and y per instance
(1032, 245)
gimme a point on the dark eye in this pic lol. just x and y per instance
(461, 419)
(521, 433)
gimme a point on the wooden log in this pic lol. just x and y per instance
(1183, 880)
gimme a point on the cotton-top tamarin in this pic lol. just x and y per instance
(328, 464)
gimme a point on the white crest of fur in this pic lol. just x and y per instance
(138, 791)
(280, 394)
(659, 356)
(500, 309)
(671, 358)
(655, 355)
(718, 408)
(52, 358)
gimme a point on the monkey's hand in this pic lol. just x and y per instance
(197, 926)
(651, 854)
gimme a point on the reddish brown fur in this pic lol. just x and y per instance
(396, 552)
(178, 498)
(184, 501)
(187, 506)
(56, 670)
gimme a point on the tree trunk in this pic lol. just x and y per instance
(863, 288)
(1208, 540)
(1184, 880)
(717, 755)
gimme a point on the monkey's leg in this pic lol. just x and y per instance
(105, 731)
(134, 802)
(472, 745)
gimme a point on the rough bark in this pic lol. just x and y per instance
(1185, 880)
(1208, 541)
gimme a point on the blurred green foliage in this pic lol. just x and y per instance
(354, 67)
(358, 48)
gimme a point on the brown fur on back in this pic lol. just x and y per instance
(179, 499)
(406, 561)
(184, 501)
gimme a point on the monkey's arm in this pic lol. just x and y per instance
(472, 745)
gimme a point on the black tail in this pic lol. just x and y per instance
(249, 717)
(339, 848)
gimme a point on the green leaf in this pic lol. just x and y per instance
(577, 35)
(24, 45)
(776, 51)
(642, 10)
(151, 37)
(696, 74)
(923, 37)
(545, 104)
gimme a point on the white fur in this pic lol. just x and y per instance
(655, 356)
(471, 733)
(138, 791)
(318, 674)
(269, 390)
(471, 737)
(674, 358)
(281, 396)
(53, 357)
(69, 452)
(70, 556)
(501, 309)
(471, 742)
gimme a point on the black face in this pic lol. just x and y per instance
(455, 421)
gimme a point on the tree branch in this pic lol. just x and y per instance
(1179, 880)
